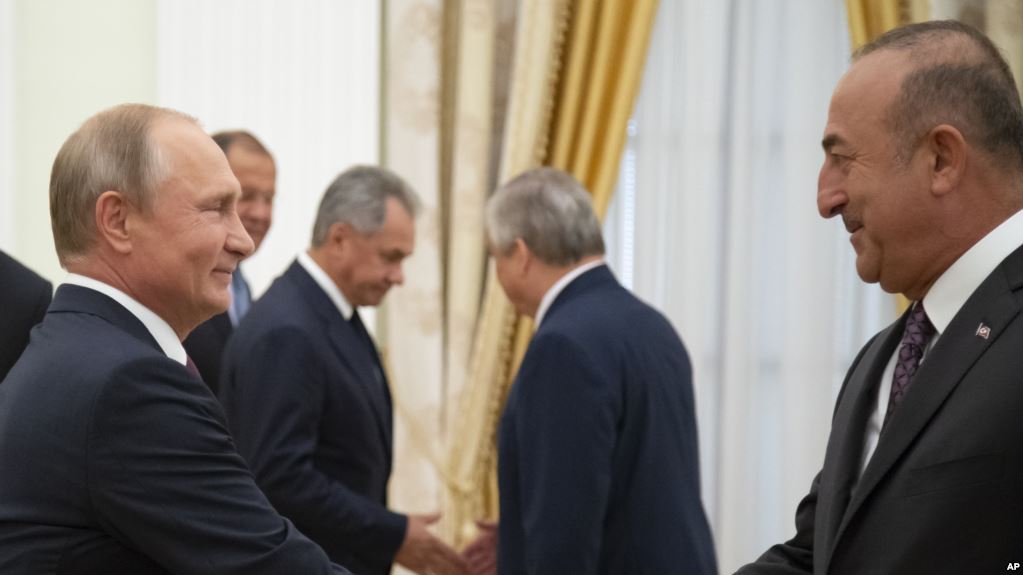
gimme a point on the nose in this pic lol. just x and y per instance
(238, 240)
(262, 211)
(831, 198)
(396, 276)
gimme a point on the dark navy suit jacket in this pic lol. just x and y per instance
(23, 300)
(115, 459)
(205, 345)
(597, 456)
(310, 409)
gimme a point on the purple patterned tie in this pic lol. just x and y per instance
(919, 331)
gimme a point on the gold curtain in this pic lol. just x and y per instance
(607, 48)
(471, 481)
(578, 66)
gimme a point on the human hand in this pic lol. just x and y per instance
(481, 554)
(423, 553)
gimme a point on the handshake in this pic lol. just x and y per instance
(422, 552)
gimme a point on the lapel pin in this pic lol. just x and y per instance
(983, 331)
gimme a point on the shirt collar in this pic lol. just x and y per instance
(962, 278)
(326, 284)
(561, 284)
(158, 328)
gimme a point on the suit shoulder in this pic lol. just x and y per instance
(21, 284)
(609, 312)
(89, 343)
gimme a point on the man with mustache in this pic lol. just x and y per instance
(924, 466)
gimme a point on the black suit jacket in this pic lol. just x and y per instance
(24, 296)
(310, 409)
(206, 344)
(597, 459)
(943, 491)
(115, 459)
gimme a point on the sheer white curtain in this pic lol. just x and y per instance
(715, 223)
(302, 76)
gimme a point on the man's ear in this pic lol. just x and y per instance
(115, 221)
(948, 152)
(340, 234)
(522, 256)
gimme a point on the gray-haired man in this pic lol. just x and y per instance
(597, 449)
(305, 391)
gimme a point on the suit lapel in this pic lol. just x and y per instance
(351, 350)
(362, 358)
(959, 348)
(845, 447)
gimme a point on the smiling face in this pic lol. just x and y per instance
(885, 203)
(256, 174)
(186, 246)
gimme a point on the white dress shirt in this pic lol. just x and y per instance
(943, 301)
(561, 284)
(157, 327)
(327, 285)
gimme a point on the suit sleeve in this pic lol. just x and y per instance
(795, 556)
(276, 415)
(164, 477)
(42, 302)
(565, 428)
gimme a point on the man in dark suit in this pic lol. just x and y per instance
(254, 167)
(24, 296)
(306, 394)
(597, 451)
(923, 471)
(115, 456)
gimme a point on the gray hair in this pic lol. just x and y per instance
(358, 198)
(959, 78)
(550, 211)
(111, 151)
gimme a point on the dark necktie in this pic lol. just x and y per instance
(918, 332)
(363, 333)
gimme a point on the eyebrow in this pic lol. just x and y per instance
(830, 141)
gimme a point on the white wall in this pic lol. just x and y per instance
(302, 76)
(64, 60)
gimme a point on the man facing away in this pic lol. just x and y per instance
(115, 456)
(253, 166)
(305, 391)
(597, 451)
(923, 471)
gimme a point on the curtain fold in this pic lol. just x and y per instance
(870, 18)
(607, 47)
(471, 463)
(410, 321)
